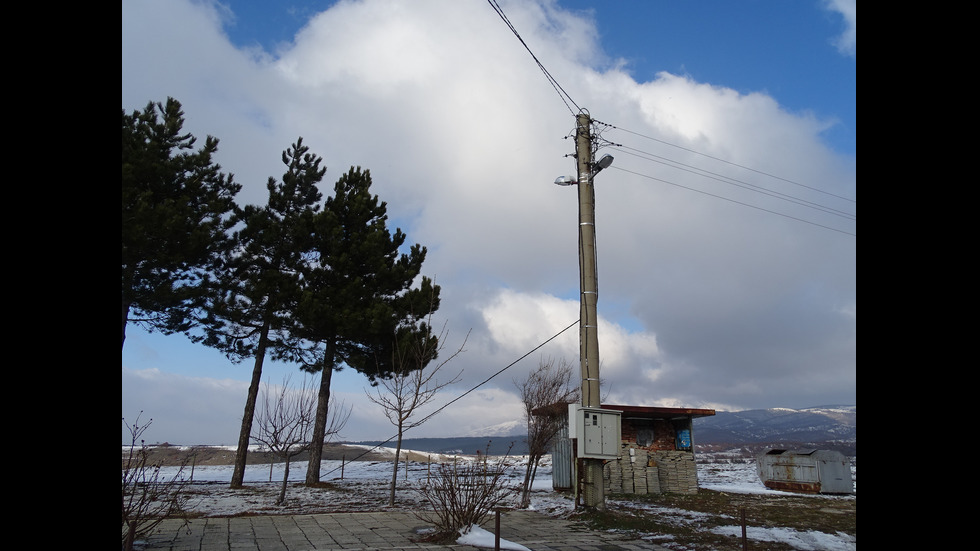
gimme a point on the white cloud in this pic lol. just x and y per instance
(847, 41)
(463, 135)
(183, 410)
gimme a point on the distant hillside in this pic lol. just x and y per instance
(817, 424)
(503, 430)
(469, 445)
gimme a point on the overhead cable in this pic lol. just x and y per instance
(735, 182)
(734, 201)
(447, 404)
(554, 83)
(733, 164)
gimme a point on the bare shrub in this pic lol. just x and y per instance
(461, 494)
(147, 499)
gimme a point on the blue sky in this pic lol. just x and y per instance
(726, 225)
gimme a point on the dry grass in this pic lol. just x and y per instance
(710, 509)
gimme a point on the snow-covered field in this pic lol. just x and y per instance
(364, 486)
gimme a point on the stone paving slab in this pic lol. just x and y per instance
(376, 531)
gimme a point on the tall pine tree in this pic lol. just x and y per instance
(176, 215)
(261, 284)
(358, 304)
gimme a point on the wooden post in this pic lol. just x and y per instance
(496, 531)
(741, 513)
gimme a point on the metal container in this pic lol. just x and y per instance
(561, 460)
(805, 471)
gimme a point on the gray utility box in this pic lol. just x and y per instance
(598, 431)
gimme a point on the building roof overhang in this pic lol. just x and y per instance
(651, 412)
(634, 412)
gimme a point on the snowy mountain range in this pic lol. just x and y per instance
(510, 428)
(816, 424)
(822, 423)
(823, 426)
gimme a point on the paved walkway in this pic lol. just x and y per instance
(386, 530)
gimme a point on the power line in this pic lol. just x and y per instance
(735, 182)
(449, 403)
(702, 172)
(729, 180)
(733, 164)
(554, 83)
(734, 201)
(553, 337)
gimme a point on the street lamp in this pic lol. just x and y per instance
(602, 163)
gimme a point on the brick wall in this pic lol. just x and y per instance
(649, 461)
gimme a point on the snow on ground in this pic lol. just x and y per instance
(478, 537)
(365, 486)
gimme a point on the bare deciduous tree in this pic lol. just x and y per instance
(545, 393)
(147, 499)
(285, 423)
(407, 390)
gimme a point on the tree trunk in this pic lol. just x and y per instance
(534, 473)
(130, 536)
(532, 469)
(125, 319)
(527, 482)
(394, 471)
(320, 425)
(285, 478)
(238, 475)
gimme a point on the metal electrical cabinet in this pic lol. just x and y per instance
(599, 431)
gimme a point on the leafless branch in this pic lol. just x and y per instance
(461, 495)
(545, 393)
(284, 424)
(147, 499)
(407, 390)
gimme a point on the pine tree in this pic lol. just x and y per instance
(260, 287)
(176, 214)
(359, 305)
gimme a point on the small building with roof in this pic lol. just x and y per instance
(656, 451)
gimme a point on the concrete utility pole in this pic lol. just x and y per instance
(588, 338)
(593, 492)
